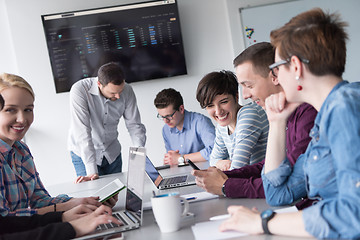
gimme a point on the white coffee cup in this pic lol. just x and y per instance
(167, 211)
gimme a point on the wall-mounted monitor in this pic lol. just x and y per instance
(144, 38)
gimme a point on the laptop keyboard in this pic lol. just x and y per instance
(174, 180)
(130, 216)
(112, 225)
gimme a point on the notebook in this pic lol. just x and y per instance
(132, 215)
(168, 182)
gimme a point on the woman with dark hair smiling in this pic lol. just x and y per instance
(241, 132)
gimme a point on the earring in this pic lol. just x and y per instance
(299, 87)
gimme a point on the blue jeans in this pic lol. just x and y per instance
(104, 169)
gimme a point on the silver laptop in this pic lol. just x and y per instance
(168, 182)
(131, 216)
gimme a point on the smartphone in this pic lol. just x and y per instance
(192, 164)
(109, 190)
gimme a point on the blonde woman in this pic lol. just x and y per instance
(21, 190)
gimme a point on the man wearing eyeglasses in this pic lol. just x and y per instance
(187, 135)
(259, 81)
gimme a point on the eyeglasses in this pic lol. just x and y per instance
(167, 117)
(275, 66)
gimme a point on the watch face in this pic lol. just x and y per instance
(181, 160)
(267, 213)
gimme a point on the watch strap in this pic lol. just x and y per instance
(265, 222)
(223, 190)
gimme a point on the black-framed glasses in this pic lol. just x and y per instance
(167, 117)
(275, 66)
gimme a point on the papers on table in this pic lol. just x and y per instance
(210, 229)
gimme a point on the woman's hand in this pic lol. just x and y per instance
(223, 165)
(78, 212)
(111, 202)
(277, 108)
(243, 220)
(88, 223)
(73, 202)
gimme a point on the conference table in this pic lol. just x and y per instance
(202, 210)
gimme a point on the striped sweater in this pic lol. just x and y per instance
(247, 145)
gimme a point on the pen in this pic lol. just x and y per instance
(191, 198)
(220, 217)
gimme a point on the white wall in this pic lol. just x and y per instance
(7, 57)
(208, 47)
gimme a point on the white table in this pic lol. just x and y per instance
(203, 210)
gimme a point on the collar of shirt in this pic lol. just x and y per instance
(186, 124)
(4, 147)
(94, 90)
(13, 155)
(327, 99)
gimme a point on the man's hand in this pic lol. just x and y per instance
(211, 179)
(87, 178)
(171, 157)
(223, 165)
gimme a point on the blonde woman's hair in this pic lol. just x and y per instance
(8, 80)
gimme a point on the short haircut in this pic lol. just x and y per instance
(315, 36)
(167, 97)
(111, 73)
(216, 83)
(260, 55)
(8, 80)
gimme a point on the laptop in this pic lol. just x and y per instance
(131, 216)
(168, 182)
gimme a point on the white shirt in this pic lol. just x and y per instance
(94, 123)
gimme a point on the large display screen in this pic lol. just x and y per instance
(144, 38)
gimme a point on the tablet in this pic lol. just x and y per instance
(109, 190)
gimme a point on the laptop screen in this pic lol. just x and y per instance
(133, 203)
(152, 172)
(135, 180)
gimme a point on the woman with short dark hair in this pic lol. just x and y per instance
(241, 132)
(310, 59)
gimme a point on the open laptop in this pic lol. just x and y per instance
(168, 182)
(132, 215)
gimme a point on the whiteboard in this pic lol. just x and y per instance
(260, 20)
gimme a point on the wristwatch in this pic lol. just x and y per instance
(181, 160)
(266, 216)
(223, 190)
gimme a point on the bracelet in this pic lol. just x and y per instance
(55, 207)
